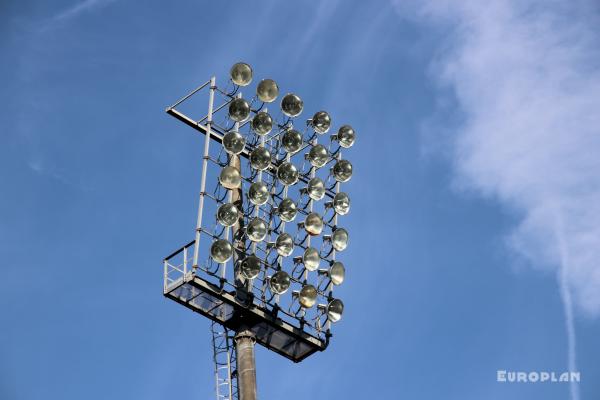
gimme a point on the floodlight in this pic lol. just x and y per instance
(342, 171)
(258, 193)
(335, 309)
(279, 282)
(341, 203)
(241, 74)
(262, 123)
(337, 273)
(227, 214)
(267, 90)
(287, 210)
(291, 141)
(316, 188)
(233, 142)
(257, 230)
(321, 122)
(284, 244)
(230, 177)
(346, 136)
(339, 239)
(221, 250)
(250, 267)
(239, 109)
(307, 296)
(260, 158)
(264, 253)
(287, 173)
(313, 224)
(318, 155)
(311, 259)
(291, 105)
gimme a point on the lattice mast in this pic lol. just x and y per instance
(224, 362)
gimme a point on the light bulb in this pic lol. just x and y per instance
(258, 193)
(233, 142)
(267, 90)
(335, 309)
(260, 158)
(316, 189)
(307, 296)
(239, 109)
(221, 250)
(346, 136)
(291, 141)
(250, 267)
(291, 105)
(337, 273)
(321, 122)
(341, 203)
(313, 224)
(342, 171)
(241, 74)
(287, 210)
(279, 282)
(284, 244)
(339, 239)
(262, 123)
(227, 214)
(287, 173)
(318, 155)
(230, 177)
(257, 230)
(311, 259)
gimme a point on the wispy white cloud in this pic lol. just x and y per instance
(79, 8)
(39, 168)
(565, 294)
(526, 76)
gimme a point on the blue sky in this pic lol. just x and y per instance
(452, 268)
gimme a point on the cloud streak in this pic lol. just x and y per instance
(80, 8)
(565, 294)
(525, 75)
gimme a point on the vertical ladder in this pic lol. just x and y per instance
(224, 361)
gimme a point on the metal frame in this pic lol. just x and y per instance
(217, 135)
(217, 301)
(239, 304)
(215, 132)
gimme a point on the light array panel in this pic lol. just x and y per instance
(269, 228)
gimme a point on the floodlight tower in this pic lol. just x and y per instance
(262, 266)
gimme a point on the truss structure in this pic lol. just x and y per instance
(218, 291)
(224, 362)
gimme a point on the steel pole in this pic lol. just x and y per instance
(246, 365)
(237, 198)
(213, 87)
